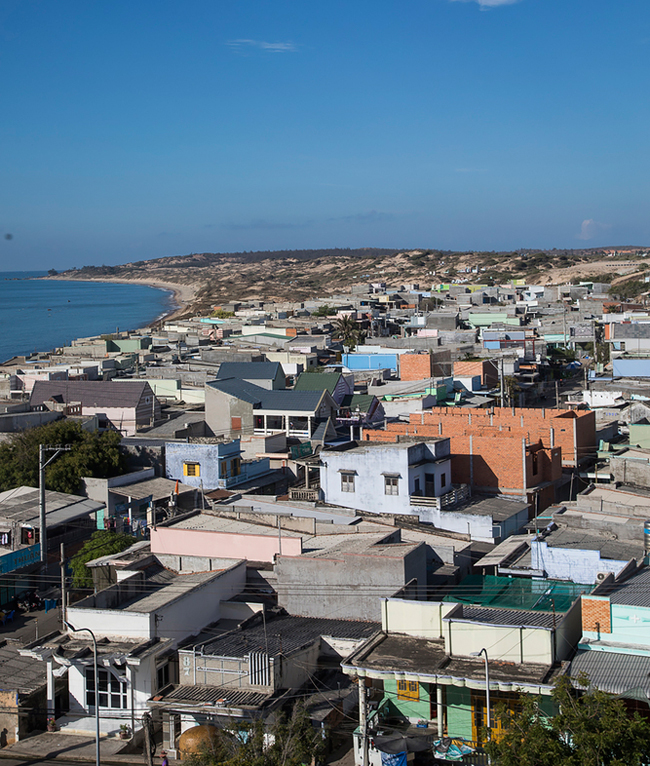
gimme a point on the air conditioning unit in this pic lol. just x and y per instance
(602, 576)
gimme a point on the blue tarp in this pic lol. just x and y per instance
(393, 759)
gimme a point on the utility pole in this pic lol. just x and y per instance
(63, 593)
(42, 465)
(363, 720)
(557, 395)
(501, 380)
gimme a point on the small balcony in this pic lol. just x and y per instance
(459, 494)
(311, 495)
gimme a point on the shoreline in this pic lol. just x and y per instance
(181, 295)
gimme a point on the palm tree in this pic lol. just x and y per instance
(348, 331)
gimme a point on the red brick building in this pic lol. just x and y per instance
(517, 452)
(415, 366)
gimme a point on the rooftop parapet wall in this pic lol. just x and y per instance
(573, 432)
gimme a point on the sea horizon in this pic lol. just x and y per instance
(39, 315)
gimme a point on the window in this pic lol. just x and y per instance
(223, 469)
(29, 536)
(111, 690)
(391, 485)
(347, 482)
(408, 690)
(162, 676)
(191, 469)
(235, 466)
(5, 541)
(443, 480)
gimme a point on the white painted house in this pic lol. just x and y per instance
(137, 622)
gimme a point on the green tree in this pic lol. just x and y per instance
(529, 740)
(92, 454)
(324, 311)
(293, 741)
(592, 728)
(348, 331)
(101, 543)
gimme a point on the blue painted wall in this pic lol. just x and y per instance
(370, 361)
(631, 368)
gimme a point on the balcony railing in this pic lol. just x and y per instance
(306, 495)
(458, 495)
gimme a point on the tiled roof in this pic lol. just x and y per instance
(249, 370)
(95, 393)
(285, 634)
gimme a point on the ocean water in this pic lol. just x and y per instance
(38, 314)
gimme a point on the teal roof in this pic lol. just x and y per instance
(317, 381)
(517, 593)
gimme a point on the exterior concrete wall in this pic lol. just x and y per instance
(177, 619)
(459, 712)
(639, 435)
(220, 408)
(346, 587)
(632, 470)
(414, 710)
(370, 465)
(111, 623)
(215, 464)
(414, 618)
(579, 566)
(212, 544)
(508, 644)
(20, 421)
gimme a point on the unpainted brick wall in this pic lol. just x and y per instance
(415, 366)
(596, 615)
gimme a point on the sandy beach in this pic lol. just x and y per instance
(183, 295)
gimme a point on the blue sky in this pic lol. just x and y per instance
(132, 130)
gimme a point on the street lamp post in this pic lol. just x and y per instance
(487, 689)
(57, 449)
(96, 672)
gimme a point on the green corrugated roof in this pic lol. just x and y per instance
(362, 401)
(517, 593)
(317, 381)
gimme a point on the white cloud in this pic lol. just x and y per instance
(261, 45)
(590, 228)
(485, 4)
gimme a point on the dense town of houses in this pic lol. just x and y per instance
(350, 523)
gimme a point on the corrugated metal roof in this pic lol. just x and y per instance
(322, 381)
(19, 673)
(283, 400)
(96, 393)
(249, 370)
(518, 617)
(284, 635)
(212, 694)
(635, 591)
(613, 672)
(21, 504)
